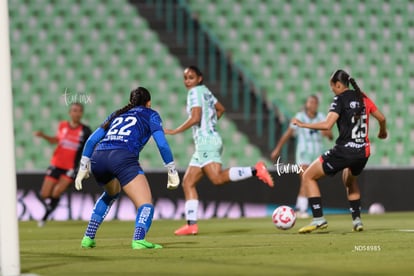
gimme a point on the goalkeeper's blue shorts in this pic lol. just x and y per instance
(119, 163)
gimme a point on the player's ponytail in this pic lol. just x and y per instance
(344, 78)
(137, 97)
(359, 96)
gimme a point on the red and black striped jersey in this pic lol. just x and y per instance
(71, 141)
(353, 123)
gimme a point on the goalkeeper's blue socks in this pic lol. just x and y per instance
(143, 221)
(101, 209)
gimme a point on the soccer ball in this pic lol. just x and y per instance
(284, 217)
(376, 209)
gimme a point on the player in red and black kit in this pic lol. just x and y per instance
(70, 137)
(350, 110)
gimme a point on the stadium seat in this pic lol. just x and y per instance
(305, 41)
(102, 49)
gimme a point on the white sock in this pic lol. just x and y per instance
(240, 173)
(302, 203)
(191, 208)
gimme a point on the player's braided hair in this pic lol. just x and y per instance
(137, 97)
(359, 96)
(346, 79)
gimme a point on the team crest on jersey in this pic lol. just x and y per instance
(354, 104)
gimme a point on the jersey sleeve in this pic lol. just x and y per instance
(159, 137)
(155, 122)
(214, 99)
(336, 105)
(295, 127)
(163, 146)
(194, 98)
(369, 105)
(93, 139)
(86, 133)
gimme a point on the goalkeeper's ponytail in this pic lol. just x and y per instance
(137, 97)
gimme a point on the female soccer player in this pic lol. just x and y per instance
(114, 163)
(309, 146)
(204, 110)
(350, 110)
(70, 137)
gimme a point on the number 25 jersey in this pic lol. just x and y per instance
(131, 130)
(353, 138)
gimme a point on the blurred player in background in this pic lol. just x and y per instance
(350, 111)
(204, 110)
(115, 166)
(309, 146)
(70, 138)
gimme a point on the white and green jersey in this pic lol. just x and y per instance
(309, 143)
(201, 96)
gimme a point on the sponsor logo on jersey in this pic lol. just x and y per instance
(354, 145)
(354, 104)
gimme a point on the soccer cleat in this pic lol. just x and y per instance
(143, 244)
(187, 230)
(41, 223)
(314, 225)
(358, 226)
(263, 174)
(88, 242)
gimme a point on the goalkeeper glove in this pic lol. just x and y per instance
(83, 172)
(173, 178)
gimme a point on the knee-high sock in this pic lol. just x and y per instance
(355, 208)
(302, 203)
(143, 221)
(191, 210)
(316, 206)
(240, 173)
(50, 207)
(101, 209)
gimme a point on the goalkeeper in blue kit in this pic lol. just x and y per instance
(112, 152)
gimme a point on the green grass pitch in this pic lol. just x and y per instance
(224, 247)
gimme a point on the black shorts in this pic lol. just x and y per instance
(333, 162)
(55, 173)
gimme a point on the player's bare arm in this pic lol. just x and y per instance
(193, 119)
(285, 137)
(330, 120)
(328, 134)
(382, 133)
(220, 109)
(50, 139)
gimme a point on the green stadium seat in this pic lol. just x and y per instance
(302, 46)
(92, 48)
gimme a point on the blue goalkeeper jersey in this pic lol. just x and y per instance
(131, 130)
